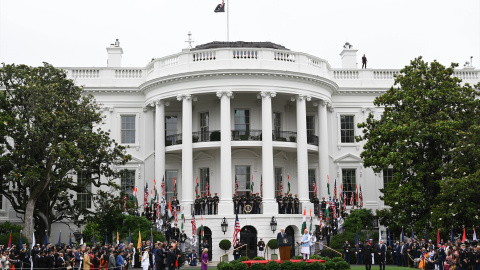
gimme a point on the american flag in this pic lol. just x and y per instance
(207, 187)
(236, 229)
(334, 208)
(356, 190)
(194, 224)
(352, 199)
(335, 190)
(314, 184)
(155, 187)
(163, 187)
(281, 184)
(361, 197)
(344, 200)
(236, 184)
(145, 201)
(125, 203)
(174, 211)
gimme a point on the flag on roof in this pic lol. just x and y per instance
(220, 7)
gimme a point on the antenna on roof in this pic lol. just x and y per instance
(189, 41)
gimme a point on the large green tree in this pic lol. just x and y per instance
(50, 131)
(428, 134)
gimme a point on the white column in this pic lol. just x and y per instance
(302, 151)
(269, 205)
(160, 141)
(187, 152)
(322, 149)
(226, 183)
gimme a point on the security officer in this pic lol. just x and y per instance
(197, 205)
(210, 204)
(216, 200)
(290, 204)
(252, 200)
(280, 203)
(259, 204)
(316, 205)
(323, 205)
(346, 251)
(203, 202)
(296, 204)
(236, 202)
(360, 252)
(285, 204)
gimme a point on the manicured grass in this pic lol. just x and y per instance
(376, 267)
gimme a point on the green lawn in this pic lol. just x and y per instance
(376, 267)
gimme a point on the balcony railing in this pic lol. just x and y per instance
(312, 139)
(284, 136)
(247, 135)
(206, 136)
(175, 139)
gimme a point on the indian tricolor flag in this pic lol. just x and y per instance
(304, 223)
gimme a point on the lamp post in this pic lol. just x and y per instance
(273, 224)
(224, 225)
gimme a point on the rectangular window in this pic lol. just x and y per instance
(311, 176)
(204, 122)
(203, 179)
(278, 178)
(349, 183)
(84, 200)
(347, 129)
(128, 183)
(243, 177)
(128, 129)
(169, 184)
(171, 130)
(311, 138)
(387, 176)
(242, 121)
(277, 124)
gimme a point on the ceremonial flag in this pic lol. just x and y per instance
(163, 186)
(236, 229)
(21, 244)
(310, 220)
(106, 237)
(129, 237)
(281, 185)
(59, 239)
(344, 200)
(220, 7)
(335, 190)
(169, 208)
(334, 209)
(33, 244)
(174, 212)
(464, 236)
(288, 176)
(10, 240)
(175, 186)
(196, 186)
(70, 241)
(139, 243)
(340, 193)
(236, 184)
(125, 203)
(158, 209)
(46, 238)
(356, 191)
(356, 241)
(207, 186)
(321, 219)
(453, 240)
(194, 224)
(438, 236)
(403, 235)
(182, 217)
(314, 185)
(328, 185)
(361, 197)
(413, 236)
(327, 214)
(352, 200)
(135, 192)
(261, 186)
(304, 223)
(145, 201)
(389, 238)
(118, 238)
(151, 236)
(201, 229)
(474, 235)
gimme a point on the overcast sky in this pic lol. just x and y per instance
(390, 32)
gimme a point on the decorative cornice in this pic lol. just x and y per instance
(228, 94)
(301, 97)
(270, 94)
(186, 97)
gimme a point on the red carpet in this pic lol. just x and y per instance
(249, 263)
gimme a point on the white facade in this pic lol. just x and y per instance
(265, 82)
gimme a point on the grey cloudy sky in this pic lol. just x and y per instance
(390, 32)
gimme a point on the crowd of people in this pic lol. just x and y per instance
(158, 256)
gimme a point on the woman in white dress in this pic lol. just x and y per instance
(306, 245)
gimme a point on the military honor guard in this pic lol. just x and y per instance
(261, 248)
(216, 200)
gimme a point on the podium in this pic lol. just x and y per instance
(284, 246)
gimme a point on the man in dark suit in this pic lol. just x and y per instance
(381, 251)
(60, 262)
(159, 252)
(171, 257)
(280, 237)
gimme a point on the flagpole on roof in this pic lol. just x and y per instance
(228, 21)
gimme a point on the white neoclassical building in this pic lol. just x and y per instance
(201, 114)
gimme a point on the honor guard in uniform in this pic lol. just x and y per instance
(203, 202)
(216, 200)
(210, 204)
(463, 257)
(261, 248)
(290, 204)
(323, 205)
(316, 205)
(251, 201)
(197, 205)
(168, 230)
(360, 252)
(296, 204)
(236, 202)
(346, 251)
(175, 232)
(183, 238)
(279, 202)
(243, 202)
(285, 204)
(259, 204)
(177, 202)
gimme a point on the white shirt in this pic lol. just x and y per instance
(145, 260)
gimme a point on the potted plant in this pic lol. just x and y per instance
(195, 138)
(273, 244)
(293, 138)
(215, 136)
(225, 244)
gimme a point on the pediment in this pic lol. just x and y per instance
(349, 158)
(203, 156)
(135, 160)
(244, 153)
(280, 155)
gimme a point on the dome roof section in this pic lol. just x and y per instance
(239, 44)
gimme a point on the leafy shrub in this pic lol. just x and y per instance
(272, 244)
(288, 265)
(243, 258)
(215, 136)
(330, 265)
(257, 266)
(338, 259)
(219, 265)
(240, 266)
(329, 253)
(315, 257)
(225, 244)
(316, 266)
(258, 258)
(301, 266)
(227, 266)
(272, 265)
(342, 265)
